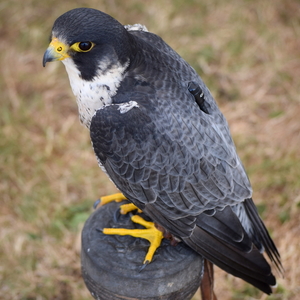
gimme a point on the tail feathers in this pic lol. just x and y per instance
(262, 234)
(250, 266)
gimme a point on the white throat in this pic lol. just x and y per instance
(93, 95)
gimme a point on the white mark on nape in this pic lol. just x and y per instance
(127, 106)
(136, 27)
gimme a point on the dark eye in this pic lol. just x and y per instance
(85, 46)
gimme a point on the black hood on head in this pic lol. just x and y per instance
(112, 42)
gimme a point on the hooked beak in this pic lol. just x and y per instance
(56, 51)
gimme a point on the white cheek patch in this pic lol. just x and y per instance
(95, 94)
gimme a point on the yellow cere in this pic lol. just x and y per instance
(60, 49)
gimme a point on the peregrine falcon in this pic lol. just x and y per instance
(159, 135)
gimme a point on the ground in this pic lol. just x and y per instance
(247, 52)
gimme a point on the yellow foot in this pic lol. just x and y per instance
(126, 208)
(151, 233)
(118, 197)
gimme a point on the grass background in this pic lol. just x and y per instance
(247, 52)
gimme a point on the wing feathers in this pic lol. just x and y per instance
(226, 226)
(176, 163)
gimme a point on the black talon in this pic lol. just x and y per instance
(144, 266)
(130, 214)
(96, 203)
(198, 94)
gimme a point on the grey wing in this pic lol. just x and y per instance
(179, 165)
(169, 152)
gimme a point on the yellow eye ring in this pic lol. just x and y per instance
(83, 46)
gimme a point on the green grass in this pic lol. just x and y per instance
(247, 52)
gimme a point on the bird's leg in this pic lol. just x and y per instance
(167, 235)
(151, 233)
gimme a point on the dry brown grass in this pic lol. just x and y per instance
(248, 54)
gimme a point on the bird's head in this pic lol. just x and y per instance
(96, 51)
(90, 40)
